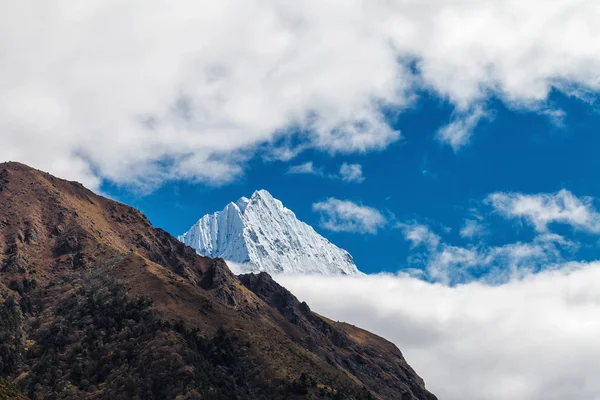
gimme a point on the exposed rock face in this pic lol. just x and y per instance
(260, 235)
(98, 304)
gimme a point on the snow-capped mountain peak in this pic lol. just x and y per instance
(260, 234)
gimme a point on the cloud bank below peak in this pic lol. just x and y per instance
(529, 339)
(190, 90)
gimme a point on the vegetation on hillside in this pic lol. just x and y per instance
(98, 342)
(8, 391)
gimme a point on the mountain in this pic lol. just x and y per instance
(260, 235)
(95, 303)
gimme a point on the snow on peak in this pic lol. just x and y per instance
(242, 203)
(259, 234)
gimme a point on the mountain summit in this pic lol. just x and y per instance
(259, 234)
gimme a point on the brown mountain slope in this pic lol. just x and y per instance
(96, 303)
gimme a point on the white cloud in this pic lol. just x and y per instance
(540, 210)
(351, 173)
(307, 168)
(419, 234)
(347, 173)
(347, 216)
(531, 339)
(459, 131)
(472, 229)
(188, 89)
(449, 264)
(556, 116)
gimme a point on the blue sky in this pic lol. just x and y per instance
(418, 180)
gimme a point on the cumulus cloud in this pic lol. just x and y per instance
(191, 89)
(351, 173)
(347, 216)
(529, 339)
(541, 210)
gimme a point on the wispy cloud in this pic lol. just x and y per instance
(419, 234)
(307, 168)
(351, 173)
(450, 264)
(556, 116)
(541, 210)
(459, 131)
(347, 216)
(472, 229)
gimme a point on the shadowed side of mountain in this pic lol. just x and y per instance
(365, 357)
(95, 303)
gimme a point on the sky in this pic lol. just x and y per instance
(422, 182)
(449, 145)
